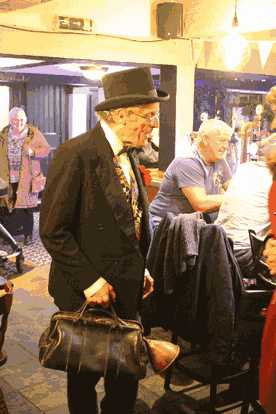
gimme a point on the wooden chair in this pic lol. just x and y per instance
(262, 271)
(5, 307)
(196, 364)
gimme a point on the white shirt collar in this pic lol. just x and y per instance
(111, 137)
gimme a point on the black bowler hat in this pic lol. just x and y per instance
(129, 88)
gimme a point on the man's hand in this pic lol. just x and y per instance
(148, 286)
(6, 288)
(9, 287)
(104, 296)
(270, 254)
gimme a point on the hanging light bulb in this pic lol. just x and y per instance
(234, 44)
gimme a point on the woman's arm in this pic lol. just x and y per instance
(39, 145)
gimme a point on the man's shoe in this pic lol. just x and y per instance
(28, 240)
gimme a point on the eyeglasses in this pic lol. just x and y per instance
(149, 117)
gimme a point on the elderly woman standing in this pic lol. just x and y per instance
(21, 147)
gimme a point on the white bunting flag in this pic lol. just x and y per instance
(264, 49)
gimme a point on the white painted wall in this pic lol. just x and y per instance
(184, 106)
(77, 113)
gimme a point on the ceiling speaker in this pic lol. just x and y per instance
(169, 20)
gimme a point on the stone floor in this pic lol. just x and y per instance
(29, 388)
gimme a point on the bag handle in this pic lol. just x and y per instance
(111, 312)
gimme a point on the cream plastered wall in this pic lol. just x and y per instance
(120, 18)
(114, 17)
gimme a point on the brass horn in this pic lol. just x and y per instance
(161, 354)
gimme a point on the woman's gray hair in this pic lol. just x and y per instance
(14, 111)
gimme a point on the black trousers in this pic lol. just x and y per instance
(120, 394)
(20, 220)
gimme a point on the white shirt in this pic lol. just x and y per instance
(245, 204)
(117, 146)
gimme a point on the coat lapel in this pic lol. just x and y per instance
(145, 231)
(111, 186)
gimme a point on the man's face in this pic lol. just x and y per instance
(137, 124)
(18, 122)
(216, 146)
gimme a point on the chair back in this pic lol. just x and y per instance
(262, 270)
(196, 290)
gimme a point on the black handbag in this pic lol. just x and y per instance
(94, 340)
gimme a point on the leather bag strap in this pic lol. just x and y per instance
(77, 345)
(114, 348)
(73, 355)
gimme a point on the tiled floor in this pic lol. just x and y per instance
(27, 387)
(35, 253)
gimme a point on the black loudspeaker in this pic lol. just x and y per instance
(169, 20)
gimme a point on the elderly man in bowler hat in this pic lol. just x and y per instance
(94, 222)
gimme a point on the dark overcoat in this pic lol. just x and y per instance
(86, 224)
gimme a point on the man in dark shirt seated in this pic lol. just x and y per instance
(196, 183)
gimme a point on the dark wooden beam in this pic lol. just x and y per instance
(11, 77)
(54, 60)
